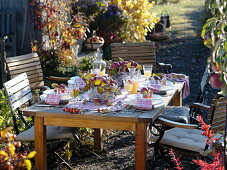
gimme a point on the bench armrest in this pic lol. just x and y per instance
(176, 124)
(200, 106)
(63, 79)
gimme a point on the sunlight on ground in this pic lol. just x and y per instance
(183, 16)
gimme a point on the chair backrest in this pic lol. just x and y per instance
(141, 52)
(203, 85)
(30, 64)
(217, 115)
(18, 91)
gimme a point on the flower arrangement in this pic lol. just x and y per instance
(60, 27)
(122, 66)
(92, 8)
(102, 90)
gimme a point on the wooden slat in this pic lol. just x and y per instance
(16, 84)
(25, 70)
(218, 122)
(135, 58)
(30, 73)
(19, 94)
(36, 79)
(16, 87)
(134, 55)
(218, 128)
(142, 51)
(21, 57)
(37, 84)
(21, 101)
(125, 49)
(22, 62)
(25, 66)
(132, 44)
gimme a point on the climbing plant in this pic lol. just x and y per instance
(214, 33)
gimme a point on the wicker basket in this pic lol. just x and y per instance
(160, 36)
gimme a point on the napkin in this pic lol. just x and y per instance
(181, 78)
(78, 80)
(143, 103)
(53, 98)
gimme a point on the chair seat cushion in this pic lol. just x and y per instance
(176, 113)
(53, 133)
(189, 139)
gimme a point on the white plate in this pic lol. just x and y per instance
(156, 100)
(150, 82)
(71, 81)
(166, 88)
(48, 91)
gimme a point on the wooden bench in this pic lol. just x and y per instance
(141, 52)
(29, 64)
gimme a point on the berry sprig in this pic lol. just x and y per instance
(72, 110)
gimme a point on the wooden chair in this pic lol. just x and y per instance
(19, 93)
(141, 52)
(30, 64)
(188, 138)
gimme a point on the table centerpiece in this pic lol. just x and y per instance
(100, 89)
(119, 70)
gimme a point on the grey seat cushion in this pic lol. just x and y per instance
(189, 139)
(176, 113)
(53, 133)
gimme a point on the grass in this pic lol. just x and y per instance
(187, 16)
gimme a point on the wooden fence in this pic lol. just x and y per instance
(21, 31)
(16, 23)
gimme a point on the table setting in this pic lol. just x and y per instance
(97, 91)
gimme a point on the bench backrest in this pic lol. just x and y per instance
(30, 64)
(141, 52)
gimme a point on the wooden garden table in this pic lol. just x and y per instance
(135, 121)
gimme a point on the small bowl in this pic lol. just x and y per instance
(93, 45)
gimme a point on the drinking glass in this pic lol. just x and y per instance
(147, 69)
(74, 91)
(128, 84)
(132, 71)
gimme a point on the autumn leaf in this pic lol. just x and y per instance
(31, 154)
(28, 164)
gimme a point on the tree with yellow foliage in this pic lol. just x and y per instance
(139, 19)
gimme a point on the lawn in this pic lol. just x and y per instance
(183, 16)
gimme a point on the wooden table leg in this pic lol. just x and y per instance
(141, 146)
(98, 144)
(40, 144)
(177, 100)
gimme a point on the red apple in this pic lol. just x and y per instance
(215, 81)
